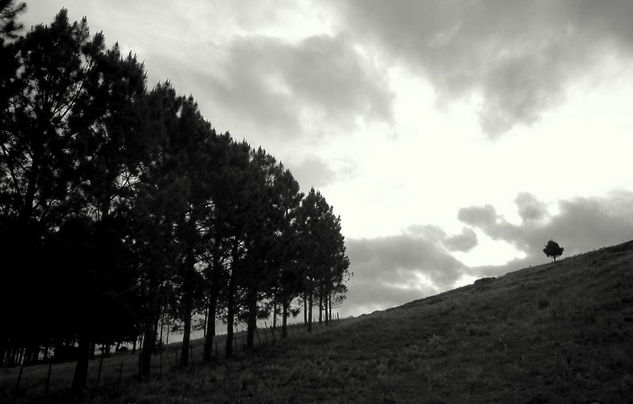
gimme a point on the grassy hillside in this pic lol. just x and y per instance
(554, 333)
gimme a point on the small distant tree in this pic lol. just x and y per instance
(552, 249)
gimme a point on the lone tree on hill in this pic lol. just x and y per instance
(552, 249)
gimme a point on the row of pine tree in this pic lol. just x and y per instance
(120, 205)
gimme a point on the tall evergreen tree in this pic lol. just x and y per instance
(118, 205)
(322, 258)
(61, 126)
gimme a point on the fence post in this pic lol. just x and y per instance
(259, 341)
(17, 384)
(48, 376)
(160, 363)
(265, 336)
(100, 367)
(121, 373)
(138, 364)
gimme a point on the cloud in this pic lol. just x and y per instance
(286, 89)
(313, 172)
(479, 216)
(463, 242)
(396, 269)
(530, 208)
(417, 263)
(582, 224)
(366, 295)
(519, 56)
(403, 259)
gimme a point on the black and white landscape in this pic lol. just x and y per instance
(205, 200)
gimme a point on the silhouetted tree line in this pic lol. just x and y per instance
(120, 205)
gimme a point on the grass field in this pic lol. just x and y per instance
(121, 369)
(560, 332)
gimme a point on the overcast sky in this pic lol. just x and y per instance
(454, 138)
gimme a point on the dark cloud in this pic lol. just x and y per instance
(581, 225)
(313, 172)
(480, 216)
(464, 242)
(283, 88)
(399, 259)
(396, 269)
(387, 270)
(530, 208)
(366, 295)
(519, 55)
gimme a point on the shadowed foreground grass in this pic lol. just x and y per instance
(554, 333)
(121, 369)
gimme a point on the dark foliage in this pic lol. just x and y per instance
(122, 207)
(552, 249)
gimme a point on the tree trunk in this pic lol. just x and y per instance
(187, 307)
(305, 310)
(320, 307)
(160, 334)
(325, 306)
(186, 333)
(29, 197)
(207, 354)
(252, 318)
(310, 312)
(284, 319)
(330, 304)
(230, 307)
(149, 340)
(81, 369)
(216, 268)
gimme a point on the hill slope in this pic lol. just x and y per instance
(558, 332)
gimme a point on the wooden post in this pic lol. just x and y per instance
(48, 377)
(99, 370)
(160, 363)
(259, 341)
(121, 373)
(138, 364)
(162, 325)
(204, 325)
(265, 335)
(17, 384)
(167, 338)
